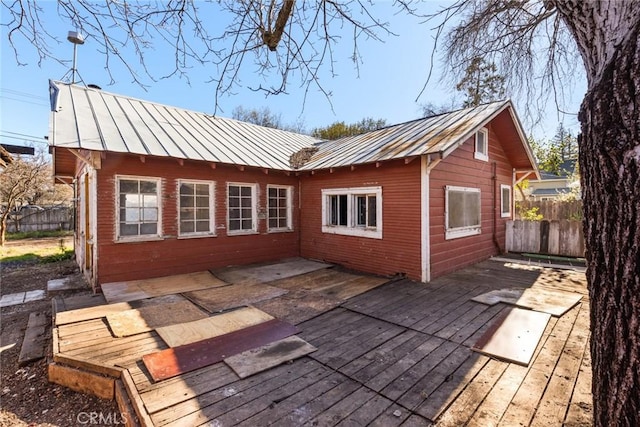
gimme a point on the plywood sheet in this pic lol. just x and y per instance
(147, 288)
(35, 338)
(514, 336)
(269, 273)
(555, 303)
(268, 356)
(228, 297)
(136, 321)
(299, 305)
(178, 360)
(98, 311)
(189, 332)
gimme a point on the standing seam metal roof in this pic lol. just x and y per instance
(430, 135)
(96, 120)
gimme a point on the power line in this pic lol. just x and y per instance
(24, 94)
(41, 141)
(22, 134)
(25, 101)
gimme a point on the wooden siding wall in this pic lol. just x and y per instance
(129, 261)
(461, 169)
(399, 249)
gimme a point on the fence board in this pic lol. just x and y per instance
(564, 238)
(59, 218)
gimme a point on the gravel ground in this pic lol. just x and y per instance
(26, 396)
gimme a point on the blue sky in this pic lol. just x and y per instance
(391, 75)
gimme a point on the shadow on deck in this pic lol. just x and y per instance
(398, 354)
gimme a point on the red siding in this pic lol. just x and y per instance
(128, 261)
(399, 249)
(461, 169)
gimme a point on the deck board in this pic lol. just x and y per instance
(395, 355)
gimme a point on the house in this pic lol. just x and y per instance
(162, 190)
(552, 186)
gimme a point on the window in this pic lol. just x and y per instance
(505, 200)
(353, 211)
(241, 207)
(279, 202)
(195, 208)
(482, 145)
(462, 216)
(138, 208)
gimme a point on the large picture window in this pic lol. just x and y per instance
(505, 201)
(353, 211)
(195, 208)
(241, 208)
(138, 208)
(462, 217)
(279, 202)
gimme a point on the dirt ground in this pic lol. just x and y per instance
(26, 396)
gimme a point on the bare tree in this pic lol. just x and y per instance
(20, 182)
(537, 45)
(286, 41)
(605, 35)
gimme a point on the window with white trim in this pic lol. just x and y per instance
(279, 207)
(138, 206)
(505, 200)
(353, 211)
(195, 208)
(482, 145)
(241, 208)
(462, 212)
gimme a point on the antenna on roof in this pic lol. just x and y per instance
(76, 38)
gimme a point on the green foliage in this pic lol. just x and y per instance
(63, 255)
(38, 234)
(481, 83)
(341, 129)
(531, 214)
(551, 154)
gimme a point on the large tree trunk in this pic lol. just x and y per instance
(610, 168)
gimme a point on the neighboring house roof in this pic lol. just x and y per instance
(439, 134)
(566, 168)
(92, 119)
(538, 192)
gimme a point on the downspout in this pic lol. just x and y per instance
(494, 178)
(426, 165)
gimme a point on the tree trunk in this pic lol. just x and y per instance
(610, 169)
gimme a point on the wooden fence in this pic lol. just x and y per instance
(57, 218)
(564, 238)
(552, 209)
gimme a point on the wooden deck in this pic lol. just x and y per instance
(395, 355)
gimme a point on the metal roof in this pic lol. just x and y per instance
(436, 134)
(92, 119)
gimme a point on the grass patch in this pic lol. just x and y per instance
(52, 251)
(38, 234)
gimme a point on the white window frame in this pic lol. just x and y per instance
(289, 226)
(480, 154)
(454, 233)
(144, 237)
(351, 229)
(503, 213)
(254, 209)
(212, 214)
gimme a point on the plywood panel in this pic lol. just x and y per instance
(136, 321)
(221, 299)
(555, 303)
(514, 336)
(269, 273)
(148, 288)
(267, 356)
(189, 332)
(186, 358)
